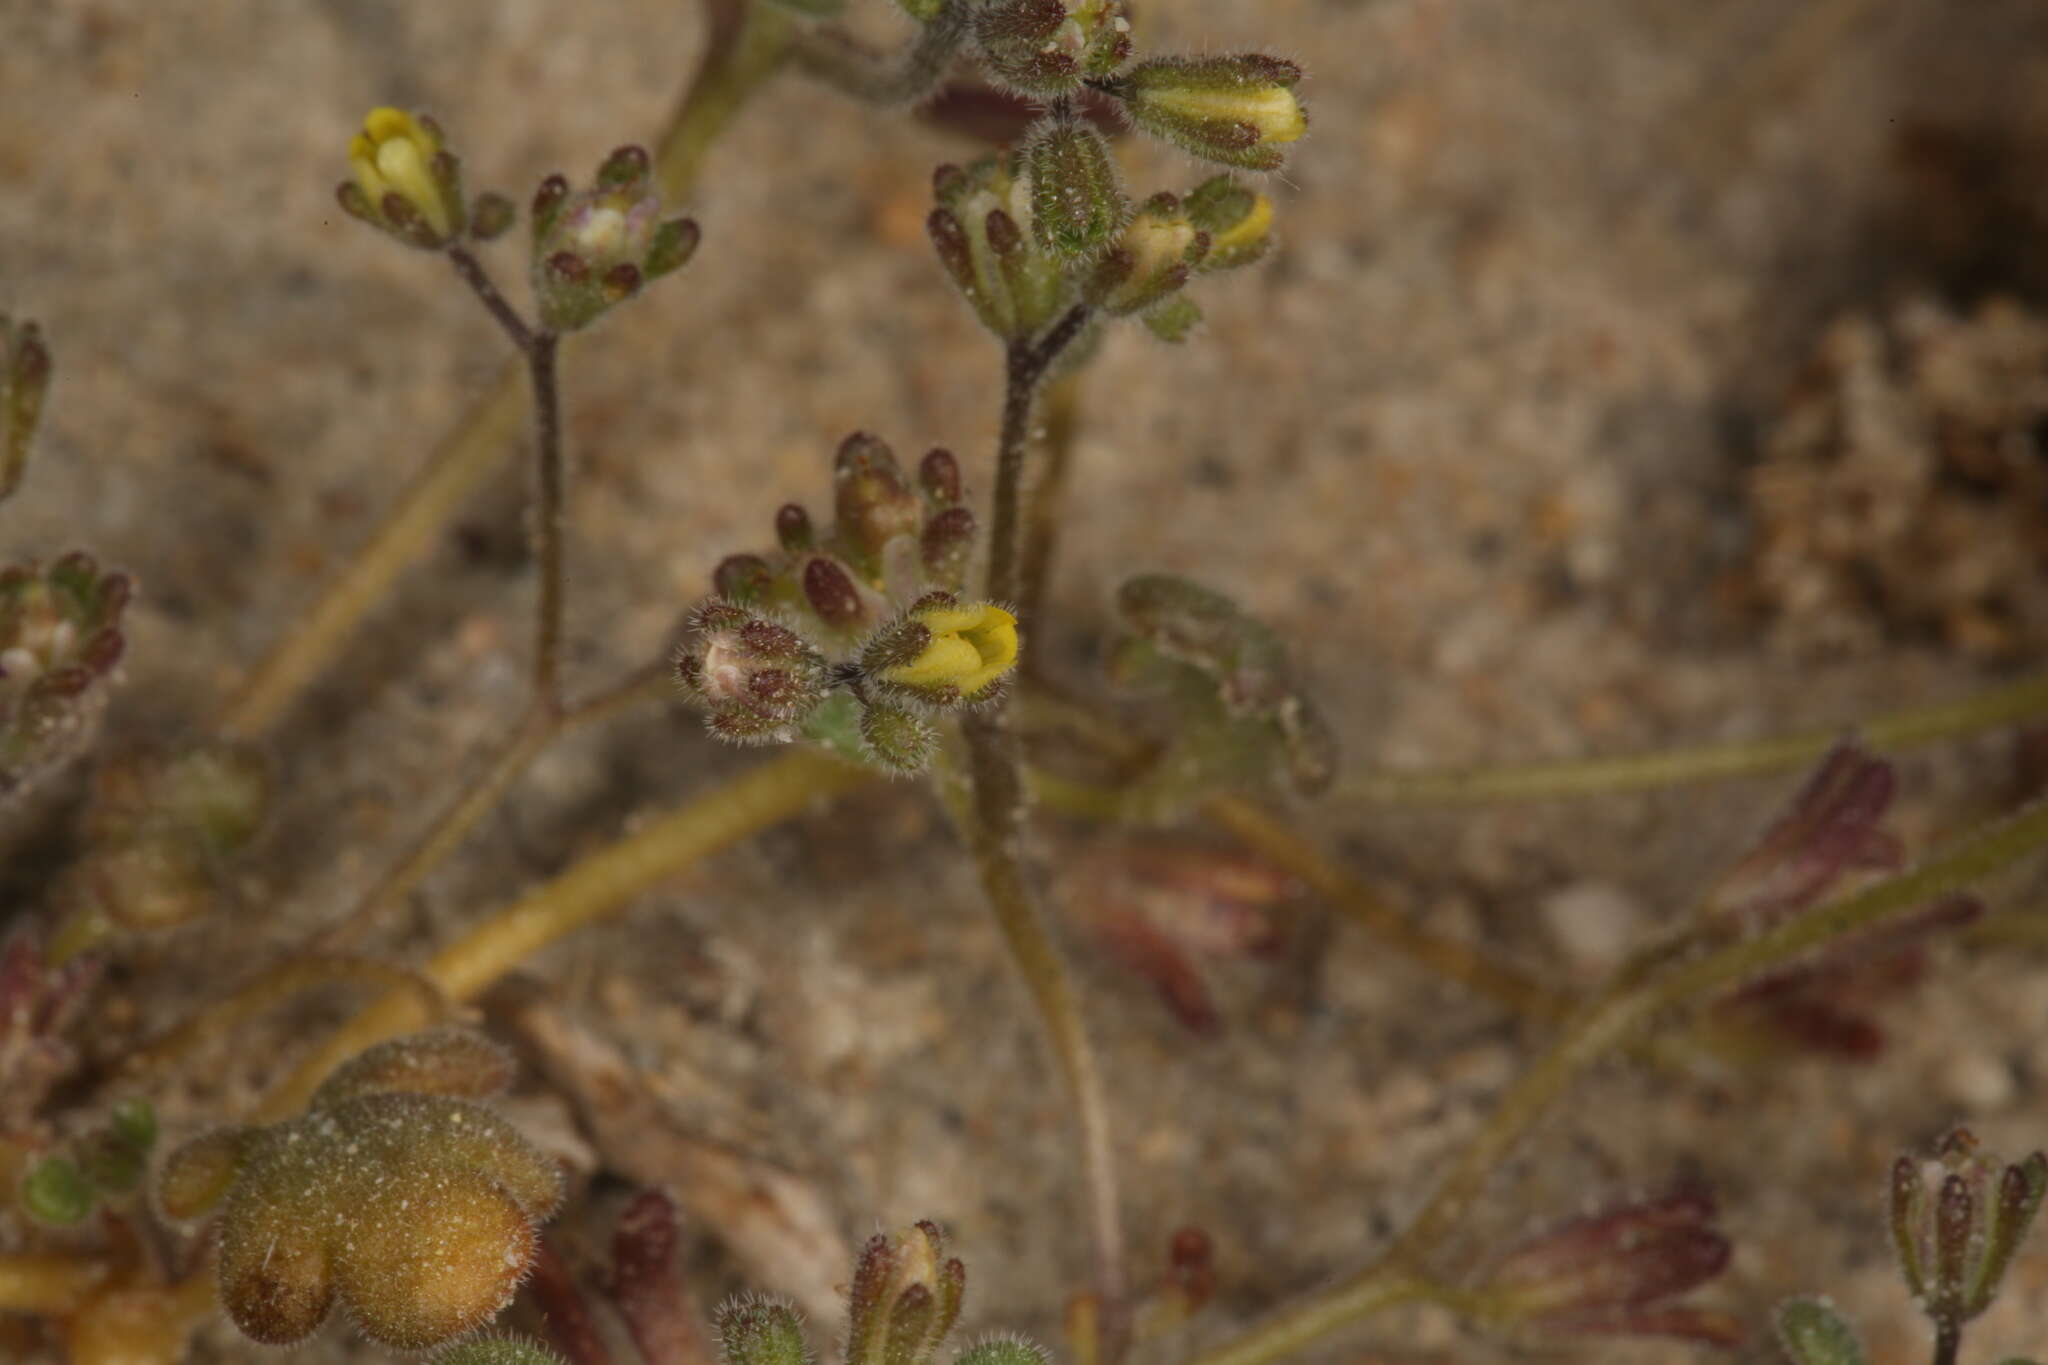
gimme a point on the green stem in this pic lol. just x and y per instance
(598, 885)
(547, 521)
(1996, 709)
(747, 45)
(1671, 974)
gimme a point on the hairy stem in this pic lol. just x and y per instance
(503, 313)
(598, 885)
(1025, 364)
(747, 45)
(1061, 406)
(547, 522)
(1992, 710)
(846, 64)
(1948, 1339)
(1673, 973)
(995, 828)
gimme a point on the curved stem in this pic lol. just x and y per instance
(1671, 974)
(1992, 710)
(748, 44)
(598, 885)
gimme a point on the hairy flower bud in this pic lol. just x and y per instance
(1957, 1221)
(759, 1331)
(598, 247)
(904, 1298)
(1239, 222)
(1077, 197)
(406, 181)
(1239, 110)
(982, 230)
(1153, 257)
(755, 678)
(942, 652)
(1048, 47)
(60, 640)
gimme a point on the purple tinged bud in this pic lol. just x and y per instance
(938, 473)
(793, 529)
(745, 579)
(1239, 110)
(625, 167)
(491, 216)
(947, 545)
(24, 384)
(547, 205)
(872, 501)
(831, 593)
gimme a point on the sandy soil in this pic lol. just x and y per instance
(1483, 439)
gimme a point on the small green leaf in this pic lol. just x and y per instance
(1813, 1333)
(57, 1192)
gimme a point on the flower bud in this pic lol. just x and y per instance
(942, 652)
(598, 247)
(982, 233)
(60, 639)
(1173, 320)
(897, 738)
(758, 1331)
(1153, 258)
(406, 182)
(1048, 47)
(756, 679)
(947, 545)
(24, 382)
(1004, 1350)
(1239, 222)
(938, 474)
(793, 529)
(904, 1298)
(743, 579)
(830, 593)
(1617, 1272)
(872, 501)
(491, 216)
(1077, 197)
(1237, 110)
(1958, 1220)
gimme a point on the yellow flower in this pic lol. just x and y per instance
(969, 647)
(394, 154)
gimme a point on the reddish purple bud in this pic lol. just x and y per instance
(646, 1283)
(1617, 1271)
(938, 473)
(1830, 828)
(793, 529)
(830, 591)
(743, 578)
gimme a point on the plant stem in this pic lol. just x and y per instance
(1992, 710)
(747, 45)
(1948, 1339)
(535, 734)
(547, 523)
(850, 67)
(1672, 973)
(477, 278)
(995, 829)
(1024, 368)
(1449, 957)
(598, 885)
(1062, 406)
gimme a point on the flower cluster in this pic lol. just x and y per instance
(60, 639)
(853, 635)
